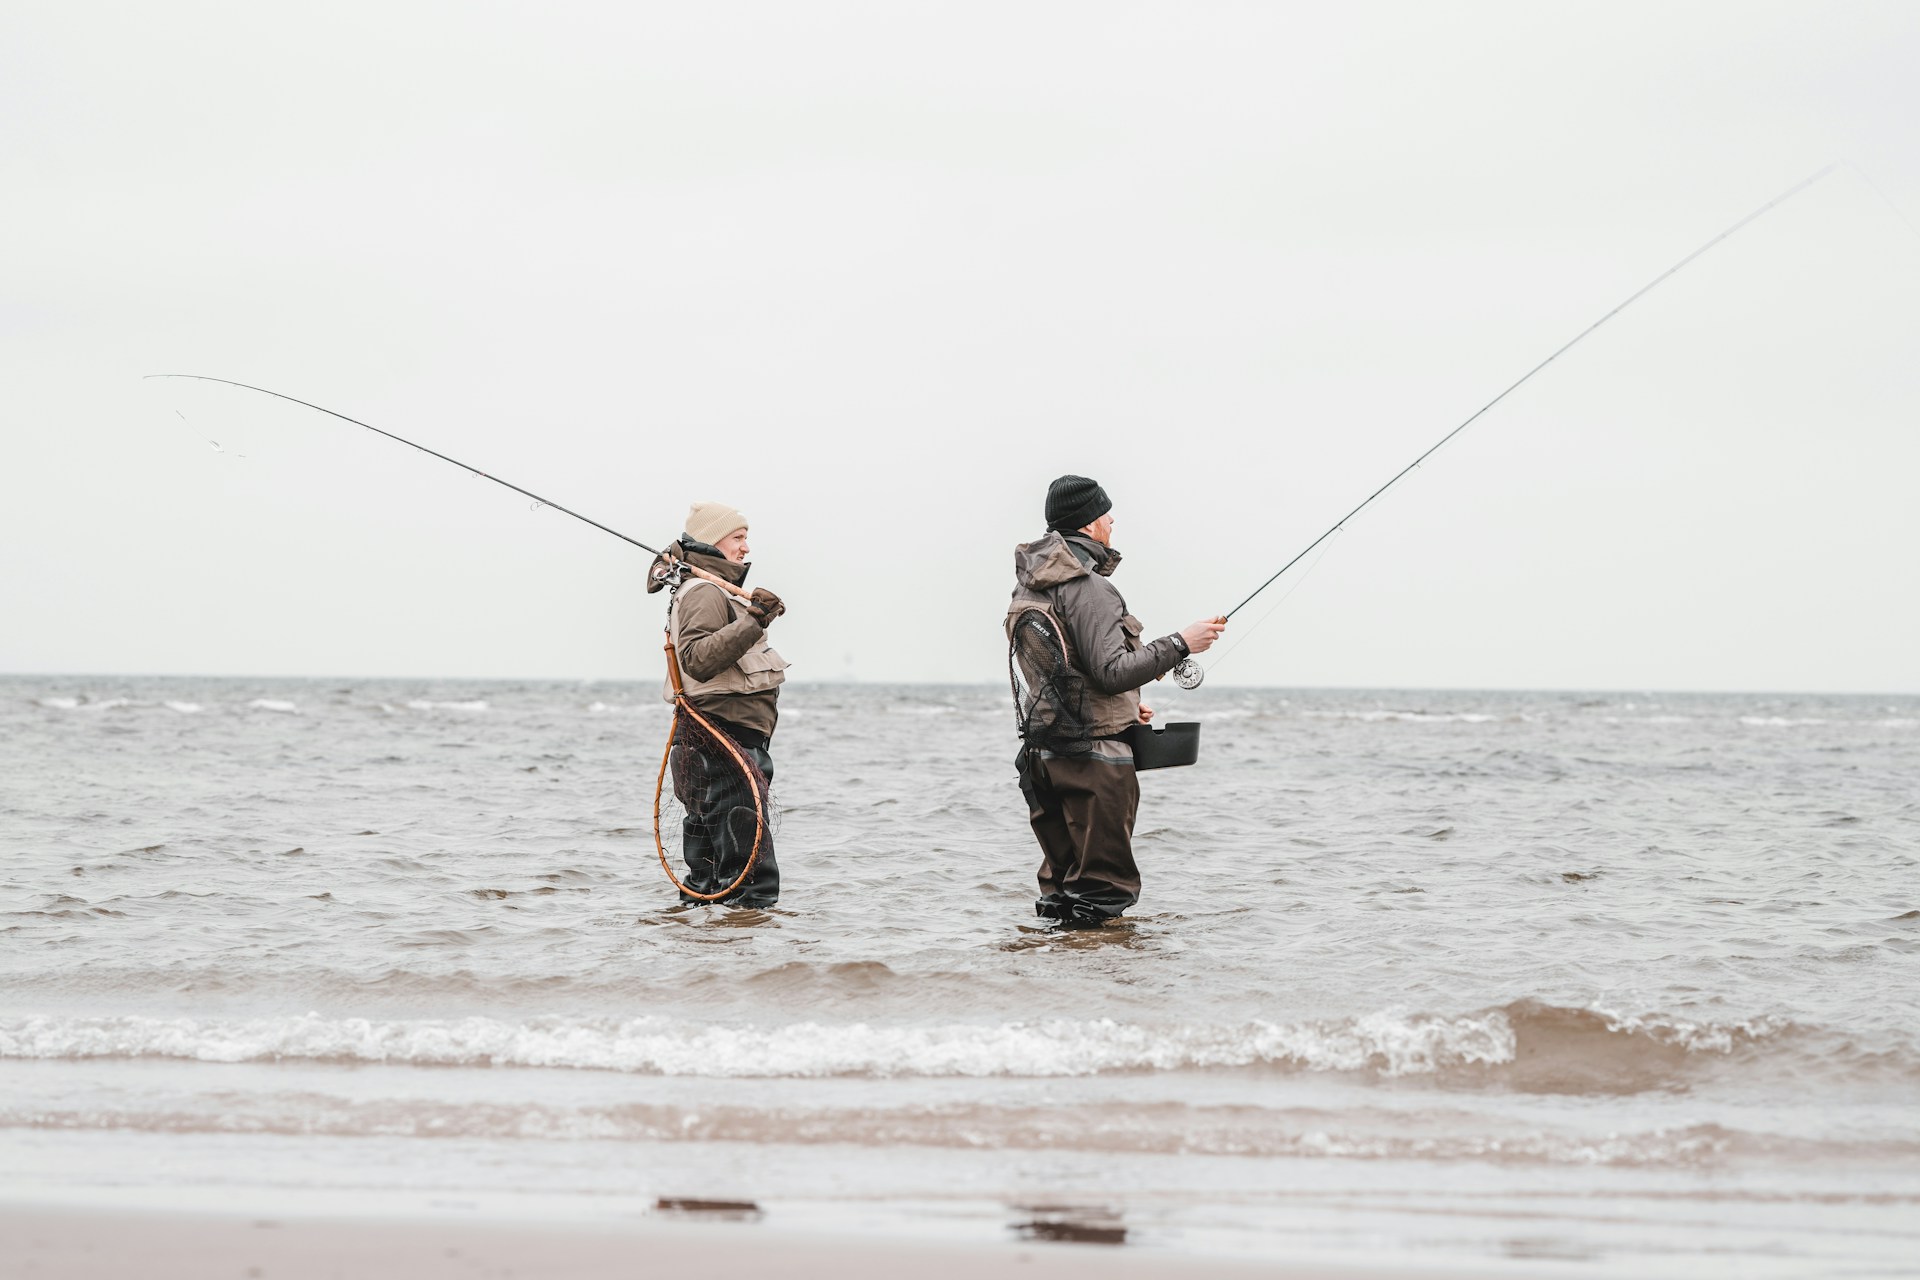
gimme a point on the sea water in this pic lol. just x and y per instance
(1521, 980)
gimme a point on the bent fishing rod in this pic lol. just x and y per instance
(673, 564)
(1188, 674)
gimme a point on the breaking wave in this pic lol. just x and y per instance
(1526, 1045)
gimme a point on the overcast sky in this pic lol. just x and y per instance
(876, 273)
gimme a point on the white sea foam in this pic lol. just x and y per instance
(423, 704)
(274, 704)
(1695, 1037)
(1387, 1043)
(184, 708)
(1391, 1045)
(1779, 722)
(59, 704)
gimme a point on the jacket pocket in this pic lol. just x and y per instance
(1130, 625)
(763, 668)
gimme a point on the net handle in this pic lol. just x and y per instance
(673, 672)
(682, 707)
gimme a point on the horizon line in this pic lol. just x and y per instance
(1644, 690)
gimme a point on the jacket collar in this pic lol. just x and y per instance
(702, 556)
(1097, 556)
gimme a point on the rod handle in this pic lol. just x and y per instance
(717, 581)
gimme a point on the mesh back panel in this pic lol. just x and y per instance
(1049, 696)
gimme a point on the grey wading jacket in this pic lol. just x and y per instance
(726, 665)
(1069, 576)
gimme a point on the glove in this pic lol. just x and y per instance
(765, 607)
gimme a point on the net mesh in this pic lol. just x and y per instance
(714, 801)
(1049, 696)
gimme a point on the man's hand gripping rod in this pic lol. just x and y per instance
(1198, 638)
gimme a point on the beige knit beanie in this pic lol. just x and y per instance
(709, 522)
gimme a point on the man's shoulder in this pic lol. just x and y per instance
(1088, 589)
(709, 605)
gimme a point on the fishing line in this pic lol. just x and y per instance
(1275, 607)
(1189, 673)
(213, 444)
(697, 751)
(544, 502)
(1888, 200)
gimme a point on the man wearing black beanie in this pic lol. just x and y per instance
(1078, 663)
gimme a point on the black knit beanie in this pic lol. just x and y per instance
(1074, 502)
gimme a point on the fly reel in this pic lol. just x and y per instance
(1188, 674)
(667, 572)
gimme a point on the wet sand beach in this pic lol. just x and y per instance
(67, 1244)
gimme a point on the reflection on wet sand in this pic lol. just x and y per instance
(708, 1210)
(1069, 1224)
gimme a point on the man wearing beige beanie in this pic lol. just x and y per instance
(733, 678)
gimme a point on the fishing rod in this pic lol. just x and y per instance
(673, 564)
(1188, 674)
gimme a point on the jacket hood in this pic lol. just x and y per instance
(1057, 558)
(701, 556)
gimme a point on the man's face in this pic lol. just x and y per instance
(1101, 530)
(734, 546)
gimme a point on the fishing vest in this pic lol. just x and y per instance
(755, 671)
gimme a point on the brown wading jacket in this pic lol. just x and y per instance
(726, 666)
(1069, 574)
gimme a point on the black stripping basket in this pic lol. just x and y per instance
(1156, 747)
